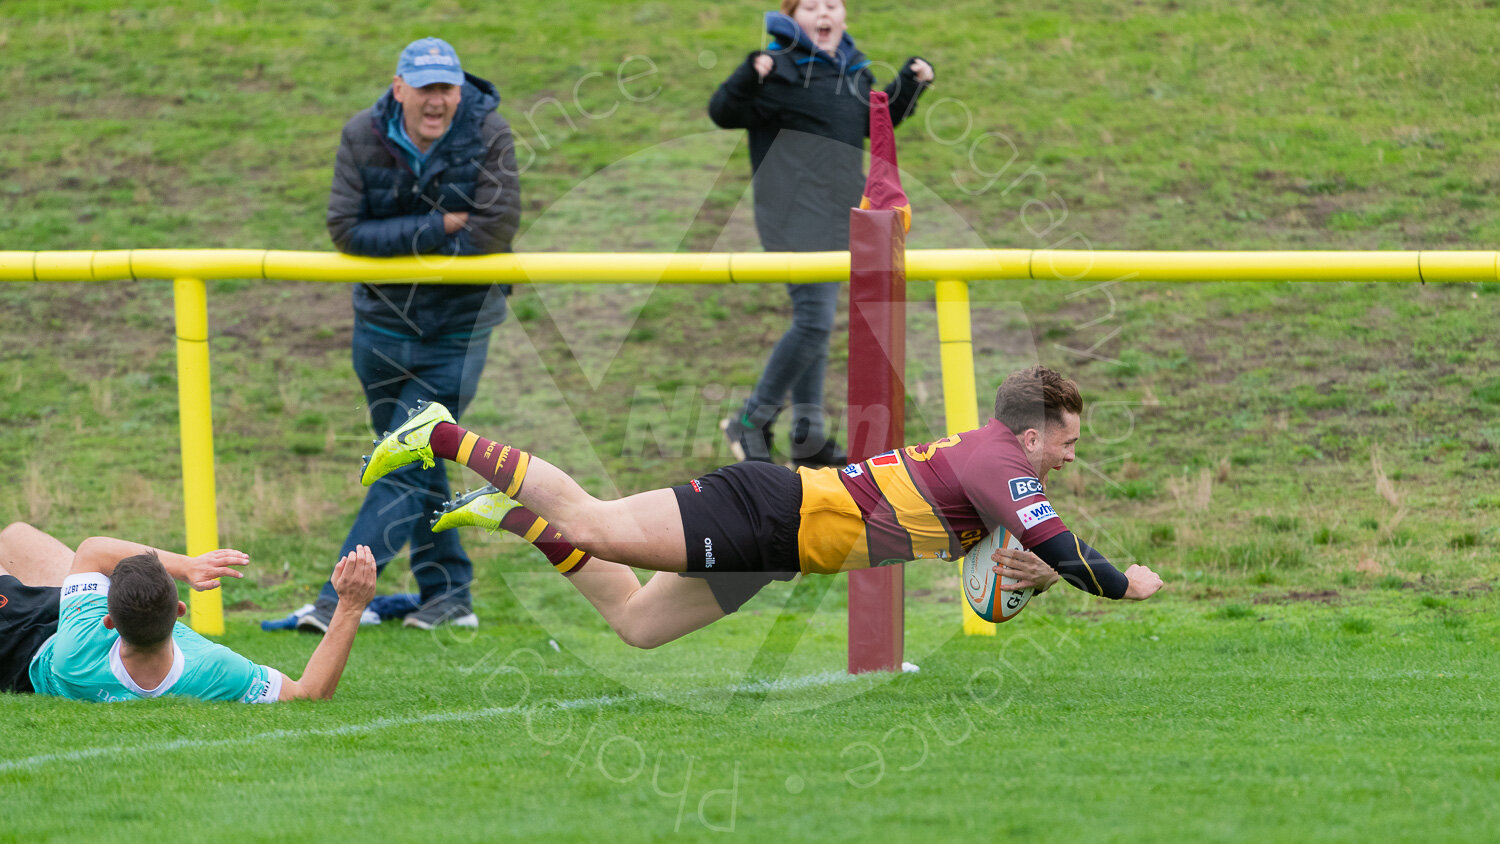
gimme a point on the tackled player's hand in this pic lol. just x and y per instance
(205, 570)
(354, 577)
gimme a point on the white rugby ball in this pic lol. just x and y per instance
(982, 584)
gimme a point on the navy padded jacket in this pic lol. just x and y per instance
(379, 207)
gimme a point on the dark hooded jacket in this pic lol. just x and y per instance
(807, 122)
(379, 207)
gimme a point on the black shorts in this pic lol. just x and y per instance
(740, 524)
(28, 617)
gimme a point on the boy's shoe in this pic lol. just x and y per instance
(831, 454)
(480, 508)
(747, 442)
(444, 610)
(315, 618)
(405, 443)
(828, 452)
(318, 618)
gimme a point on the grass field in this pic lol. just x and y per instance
(1351, 719)
(1312, 467)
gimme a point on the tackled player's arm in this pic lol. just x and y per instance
(102, 553)
(354, 580)
(1087, 569)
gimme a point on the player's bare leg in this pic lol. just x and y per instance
(33, 557)
(666, 608)
(642, 530)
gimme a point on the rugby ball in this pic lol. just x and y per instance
(982, 584)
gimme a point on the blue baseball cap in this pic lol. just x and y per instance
(428, 61)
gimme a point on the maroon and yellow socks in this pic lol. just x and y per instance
(502, 465)
(561, 553)
(444, 439)
(505, 467)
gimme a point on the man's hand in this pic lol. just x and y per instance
(203, 571)
(923, 70)
(763, 64)
(1027, 568)
(354, 578)
(455, 220)
(1143, 583)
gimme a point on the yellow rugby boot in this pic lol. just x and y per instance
(406, 443)
(480, 508)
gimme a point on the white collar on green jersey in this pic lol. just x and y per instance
(117, 667)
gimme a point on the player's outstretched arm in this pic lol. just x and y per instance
(102, 553)
(354, 579)
(1085, 568)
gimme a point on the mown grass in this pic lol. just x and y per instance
(1311, 466)
(1287, 719)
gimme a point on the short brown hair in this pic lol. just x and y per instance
(790, 6)
(142, 600)
(1031, 398)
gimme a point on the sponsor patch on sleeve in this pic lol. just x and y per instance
(1024, 488)
(1035, 514)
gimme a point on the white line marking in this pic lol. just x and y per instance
(789, 684)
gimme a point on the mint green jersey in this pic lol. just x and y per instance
(82, 660)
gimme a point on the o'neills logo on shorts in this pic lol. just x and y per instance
(708, 553)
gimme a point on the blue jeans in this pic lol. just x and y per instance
(798, 363)
(396, 372)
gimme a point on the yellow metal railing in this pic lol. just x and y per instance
(751, 267)
(952, 269)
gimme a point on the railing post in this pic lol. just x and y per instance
(960, 398)
(195, 422)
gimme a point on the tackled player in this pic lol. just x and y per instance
(100, 624)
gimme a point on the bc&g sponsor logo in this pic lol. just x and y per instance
(1024, 488)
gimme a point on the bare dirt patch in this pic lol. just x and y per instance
(1325, 596)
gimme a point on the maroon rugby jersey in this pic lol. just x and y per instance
(928, 501)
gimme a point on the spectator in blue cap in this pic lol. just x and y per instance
(429, 169)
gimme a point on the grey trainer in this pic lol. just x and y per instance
(443, 610)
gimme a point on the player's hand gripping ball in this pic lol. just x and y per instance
(982, 584)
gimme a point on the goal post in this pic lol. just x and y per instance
(877, 415)
(877, 382)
